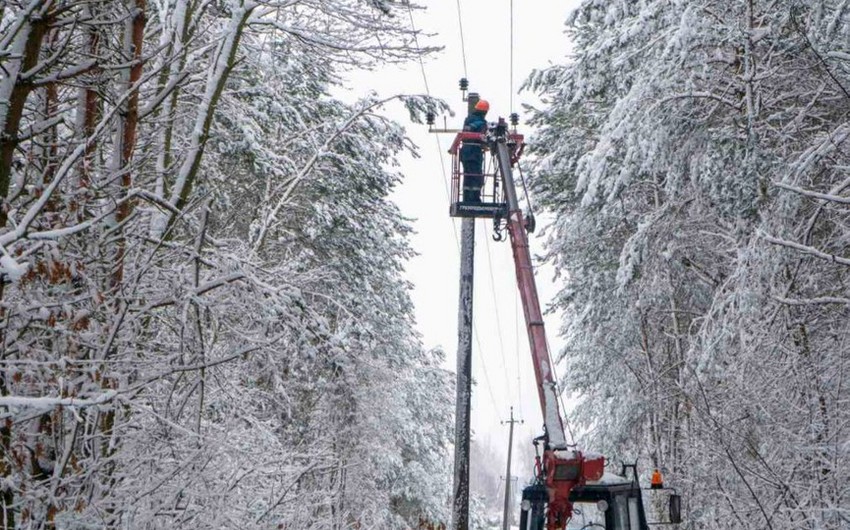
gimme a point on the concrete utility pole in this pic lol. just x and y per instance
(460, 511)
(506, 519)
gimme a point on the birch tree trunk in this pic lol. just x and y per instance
(222, 64)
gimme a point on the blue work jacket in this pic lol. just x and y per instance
(471, 150)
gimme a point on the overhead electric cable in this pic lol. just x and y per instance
(428, 91)
(418, 51)
(516, 293)
(512, 58)
(558, 391)
(462, 43)
(484, 369)
(516, 349)
(479, 351)
(525, 190)
(446, 185)
(498, 318)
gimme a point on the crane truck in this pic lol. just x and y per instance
(571, 488)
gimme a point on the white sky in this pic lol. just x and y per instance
(501, 361)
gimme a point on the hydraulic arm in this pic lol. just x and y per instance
(563, 468)
(568, 485)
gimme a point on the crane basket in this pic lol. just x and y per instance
(493, 202)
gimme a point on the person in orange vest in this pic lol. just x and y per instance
(657, 482)
(472, 153)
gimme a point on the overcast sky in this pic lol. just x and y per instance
(501, 361)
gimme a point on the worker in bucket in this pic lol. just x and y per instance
(472, 153)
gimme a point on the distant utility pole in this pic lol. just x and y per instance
(460, 511)
(506, 520)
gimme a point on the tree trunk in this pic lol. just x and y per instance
(224, 61)
(128, 125)
(25, 53)
(14, 91)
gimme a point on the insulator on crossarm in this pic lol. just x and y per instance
(429, 118)
(514, 119)
(464, 84)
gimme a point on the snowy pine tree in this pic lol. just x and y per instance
(694, 155)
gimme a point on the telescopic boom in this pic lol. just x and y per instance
(563, 468)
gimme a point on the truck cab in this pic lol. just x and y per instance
(613, 502)
(610, 503)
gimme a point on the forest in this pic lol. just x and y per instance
(205, 321)
(695, 157)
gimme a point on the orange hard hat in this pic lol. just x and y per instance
(482, 105)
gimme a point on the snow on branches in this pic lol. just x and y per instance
(695, 156)
(202, 314)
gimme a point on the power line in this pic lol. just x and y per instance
(516, 349)
(462, 43)
(480, 353)
(498, 318)
(428, 91)
(512, 57)
(436, 137)
(558, 390)
(484, 368)
(419, 52)
(516, 294)
(446, 186)
(525, 190)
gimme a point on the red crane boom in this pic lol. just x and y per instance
(564, 468)
(566, 478)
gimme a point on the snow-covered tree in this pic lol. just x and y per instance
(203, 318)
(694, 155)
